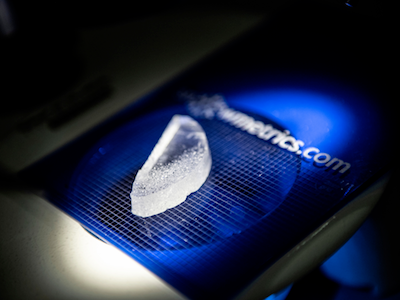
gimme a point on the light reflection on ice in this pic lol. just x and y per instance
(178, 166)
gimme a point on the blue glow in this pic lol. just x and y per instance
(348, 265)
(281, 295)
(317, 119)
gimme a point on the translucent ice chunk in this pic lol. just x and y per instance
(178, 166)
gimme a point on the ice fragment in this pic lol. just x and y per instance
(178, 166)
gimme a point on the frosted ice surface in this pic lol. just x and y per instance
(178, 166)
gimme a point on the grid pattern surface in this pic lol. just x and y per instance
(256, 195)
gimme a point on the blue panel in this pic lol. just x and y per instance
(257, 199)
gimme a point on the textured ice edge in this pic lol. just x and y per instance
(159, 186)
